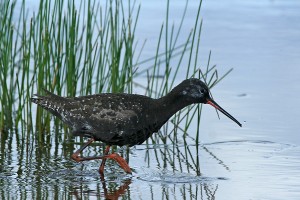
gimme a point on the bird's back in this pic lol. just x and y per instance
(116, 119)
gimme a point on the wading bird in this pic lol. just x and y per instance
(123, 119)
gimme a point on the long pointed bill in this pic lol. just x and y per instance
(214, 104)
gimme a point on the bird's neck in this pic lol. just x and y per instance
(171, 103)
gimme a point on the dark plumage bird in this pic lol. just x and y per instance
(123, 119)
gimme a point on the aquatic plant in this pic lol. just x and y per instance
(80, 48)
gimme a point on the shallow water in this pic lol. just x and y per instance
(228, 169)
(261, 160)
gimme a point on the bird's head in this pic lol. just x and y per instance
(194, 89)
(197, 92)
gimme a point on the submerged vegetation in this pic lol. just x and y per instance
(81, 48)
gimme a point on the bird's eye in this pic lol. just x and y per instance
(202, 91)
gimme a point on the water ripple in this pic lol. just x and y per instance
(168, 177)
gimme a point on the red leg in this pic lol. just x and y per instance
(75, 156)
(123, 164)
(101, 168)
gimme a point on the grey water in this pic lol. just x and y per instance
(260, 40)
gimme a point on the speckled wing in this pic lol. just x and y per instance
(115, 120)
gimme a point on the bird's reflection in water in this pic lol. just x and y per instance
(110, 190)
